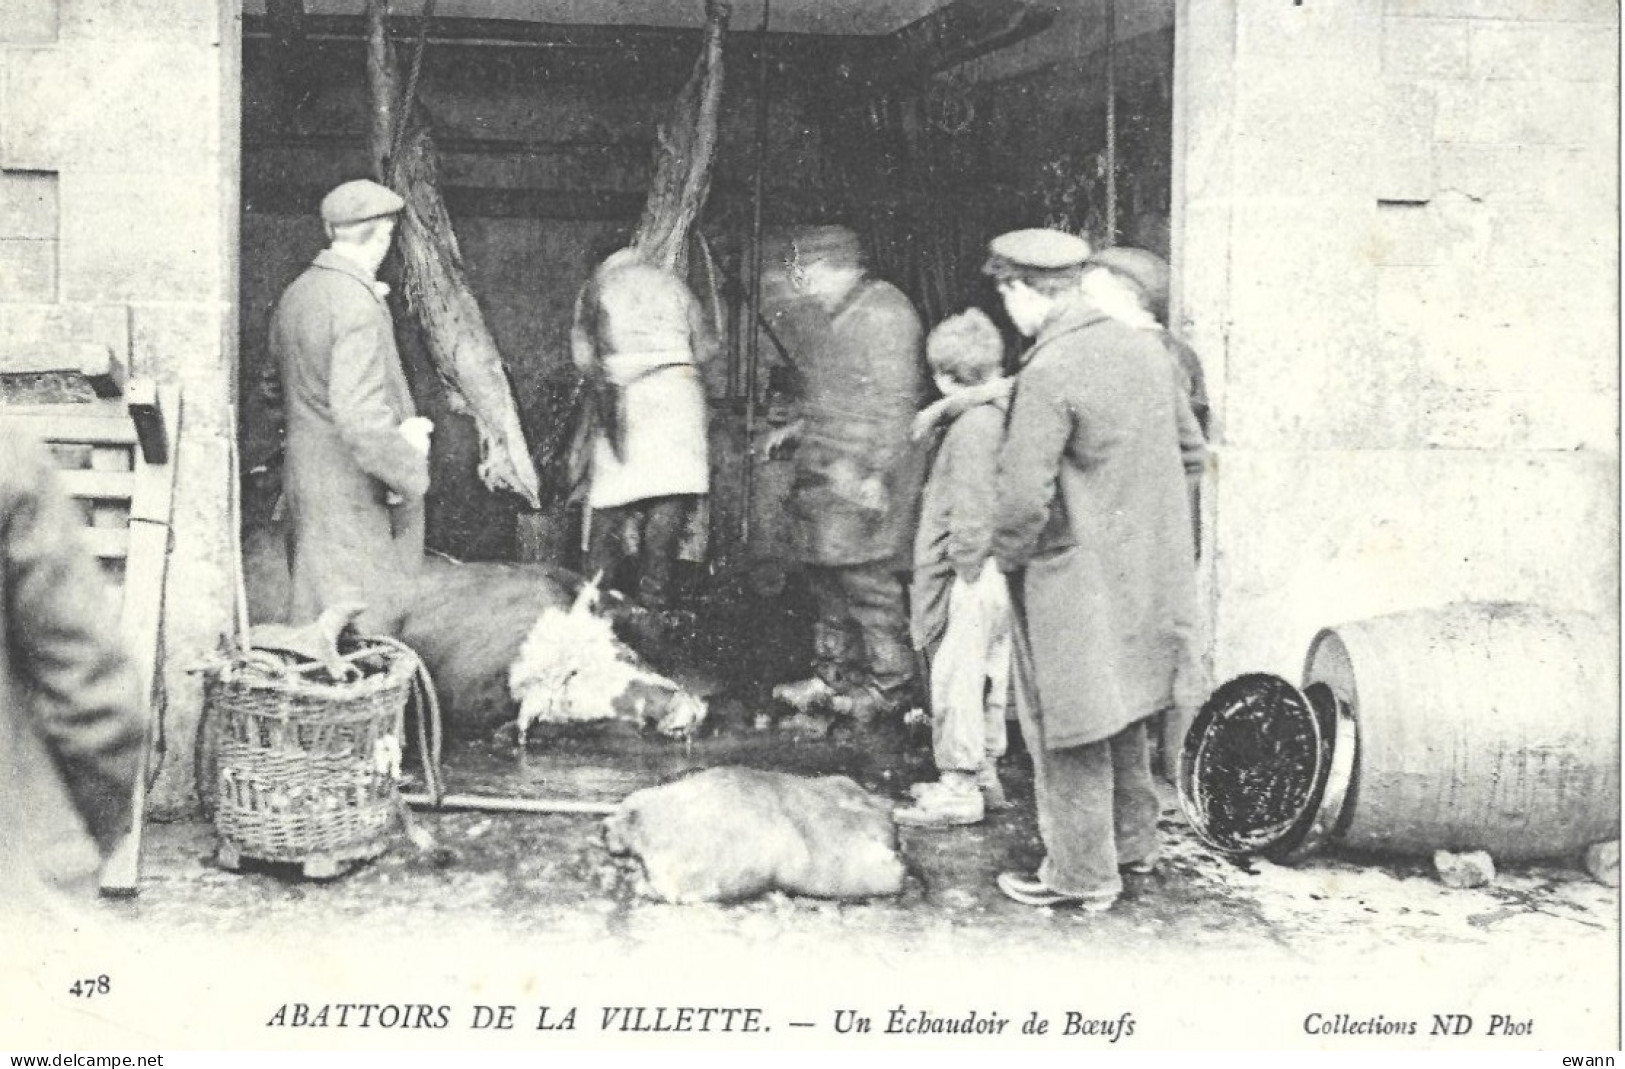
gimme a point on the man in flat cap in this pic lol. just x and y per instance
(1093, 527)
(855, 492)
(357, 454)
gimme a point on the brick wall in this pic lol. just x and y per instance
(118, 224)
(1397, 255)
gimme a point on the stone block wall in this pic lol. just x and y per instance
(118, 224)
(1396, 252)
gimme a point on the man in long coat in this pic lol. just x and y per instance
(71, 721)
(855, 493)
(1093, 525)
(357, 458)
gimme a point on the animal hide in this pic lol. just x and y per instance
(572, 668)
(731, 833)
(470, 623)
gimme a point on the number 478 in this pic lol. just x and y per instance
(91, 986)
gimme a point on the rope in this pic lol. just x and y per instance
(429, 728)
(409, 99)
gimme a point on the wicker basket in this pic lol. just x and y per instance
(307, 770)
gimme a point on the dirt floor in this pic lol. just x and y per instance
(1231, 938)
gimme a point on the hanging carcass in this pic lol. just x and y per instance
(459, 342)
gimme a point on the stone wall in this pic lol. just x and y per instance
(118, 224)
(1394, 236)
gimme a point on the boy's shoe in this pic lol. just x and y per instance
(942, 808)
(987, 780)
(1143, 867)
(805, 695)
(951, 782)
(1031, 891)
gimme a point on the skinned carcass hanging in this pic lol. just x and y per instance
(459, 342)
(685, 147)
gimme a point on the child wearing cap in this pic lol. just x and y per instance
(961, 611)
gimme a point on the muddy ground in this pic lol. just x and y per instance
(1202, 935)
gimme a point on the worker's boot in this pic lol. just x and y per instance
(869, 708)
(806, 695)
(951, 801)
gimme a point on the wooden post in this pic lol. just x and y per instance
(753, 340)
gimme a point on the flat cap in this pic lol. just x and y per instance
(357, 201)
(1035, 250)
(831, 244)
(1145, 269)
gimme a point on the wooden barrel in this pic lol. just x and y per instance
(1481, 726)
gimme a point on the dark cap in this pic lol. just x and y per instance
(358, 201)
(828, 244)
(1037, 251)
(1146, 270)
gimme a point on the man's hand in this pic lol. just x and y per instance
(779, 440)
(417, 431)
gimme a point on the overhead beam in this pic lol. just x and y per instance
(958, 32)
(642, 57)
(781, 206)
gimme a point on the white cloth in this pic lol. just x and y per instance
(662, 419)
(968, 730)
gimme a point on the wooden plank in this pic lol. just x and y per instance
(100, 485)
(155, 483)
(108, 542)
(150, 430)
(97, 363)
(39, 357)
(142, 620)
(50, 423)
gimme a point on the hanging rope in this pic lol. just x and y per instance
(409, 99)
(429, 726)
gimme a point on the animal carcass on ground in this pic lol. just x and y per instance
(731, 833)
(512, 642)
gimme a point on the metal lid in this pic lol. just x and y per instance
(1255, 765)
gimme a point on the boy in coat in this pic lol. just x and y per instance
(1093, 529)
(960, 605)
(357, 460)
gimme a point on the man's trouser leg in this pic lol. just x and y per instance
(1074, 789)
(998, 670)
(663, 519)
(1135, 805)
(835, 643)
(876, 602)
(605, 545)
